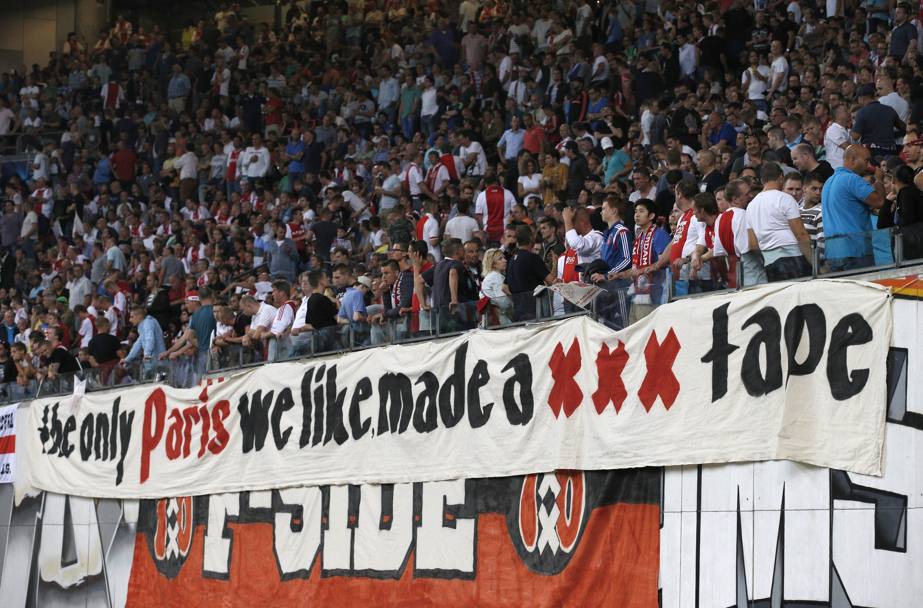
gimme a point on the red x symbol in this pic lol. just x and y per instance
(660, 380)
(565, 394)
(609, 366)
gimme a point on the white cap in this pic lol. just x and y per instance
(607, 143)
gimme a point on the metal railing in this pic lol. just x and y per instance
(858, 253)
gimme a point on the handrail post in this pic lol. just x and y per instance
(739, 272)
(815, 262)
(898, 247)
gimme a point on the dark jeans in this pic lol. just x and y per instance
(786, 269)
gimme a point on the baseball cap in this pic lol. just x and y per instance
(607, 143)
(61, 299)
(365, 280)
(192, 296)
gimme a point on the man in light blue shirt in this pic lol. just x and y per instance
(352, 311)
(178, 89)
(846, 204)
(149, 344)
(511, 141)
(389, 93)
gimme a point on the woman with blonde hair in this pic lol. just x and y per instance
(495, 302)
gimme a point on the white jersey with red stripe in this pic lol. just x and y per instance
(739, 228)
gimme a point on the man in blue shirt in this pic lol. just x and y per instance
(352, 304)
(178, 89)
(149, 343)
(846, 204)
(294, 154)
(615, 255)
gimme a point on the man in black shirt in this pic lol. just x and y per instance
(325, 231)
(322, 312)
(577, 172)
(525, 271)
(59, 364)
(104, 350)
(454, 291)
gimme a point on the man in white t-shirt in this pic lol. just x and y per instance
(644, 186)
(472, 153)
(778, 70)
(429, 107)
(7, 118)
(462, 226)
(836, 138)
(262, 316)
(776, 229)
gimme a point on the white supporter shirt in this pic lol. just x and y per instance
(461, 227)
(188, 165)
(587, 246)
(283, 319)
(480, 206)
(85, 332)
(835, 135)
(739, 228)
(480, 165)
(114, 323)
(264, 316)
(253, 162)
(301, 315)
(780, 66)
(768, 215)
(430, 232)
(412, 176)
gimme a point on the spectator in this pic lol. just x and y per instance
(493, 207)
(685, 237)
(525, 271)
(497, 305)
(149, 345)
(776, 229)
(904, 209)
(846, 204)
(647, 261)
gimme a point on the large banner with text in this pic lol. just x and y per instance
(788, 371)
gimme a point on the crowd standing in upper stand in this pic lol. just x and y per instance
(367, 171)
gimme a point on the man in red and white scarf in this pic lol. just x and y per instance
(731, 239)
(685, 238)
(647, 261)
(437, 177)
(279, 331)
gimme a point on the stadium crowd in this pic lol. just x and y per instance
(368, 171)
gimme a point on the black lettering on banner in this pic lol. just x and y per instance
(425, 412)
(720, 350)
(101, 447)
(363, 391)
(395, 406)
(115, 417)
(284, 402)
(518, 413)
(478, 415)
(306, 408)
(335, 428)
(69, 427)
(254, 419)
(318, 407)
(452, 393)
(852, 330)
(86, 438)
(809, 316)
(125, 423)
(769, 336)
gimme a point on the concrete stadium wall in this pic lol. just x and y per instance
(31, 29)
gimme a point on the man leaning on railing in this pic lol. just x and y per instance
(149, 345)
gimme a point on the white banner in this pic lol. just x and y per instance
(785, 371)
(7, 443)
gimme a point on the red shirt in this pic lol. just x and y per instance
(123, 164)
(533, 139)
